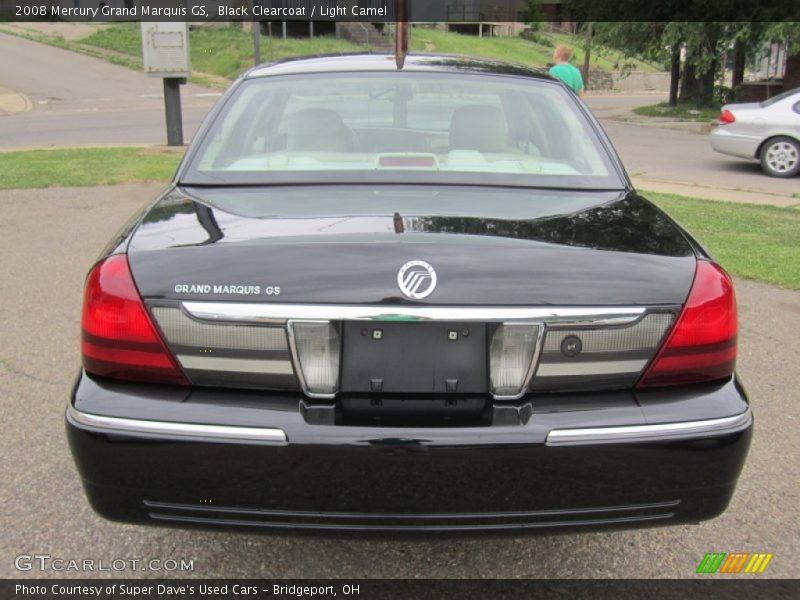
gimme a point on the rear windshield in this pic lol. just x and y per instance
(402, 127)
(779, 97)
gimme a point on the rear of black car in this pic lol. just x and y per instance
(417, 350)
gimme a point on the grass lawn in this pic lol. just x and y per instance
(117, 57)
(517, 50)
(224, 52)
(72, 167)
(228, 51)
(681, 112)
(751, 241)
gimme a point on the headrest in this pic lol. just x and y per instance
(479, 127)
(317, 129)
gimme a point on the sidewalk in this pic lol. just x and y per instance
(70, 31)
(698, 127)
(707, 192)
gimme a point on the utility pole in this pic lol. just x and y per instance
(400, 33)
(257, 42)
(270, 56)
(256, 30)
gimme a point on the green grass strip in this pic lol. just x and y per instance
(749, 240)
(71, 167)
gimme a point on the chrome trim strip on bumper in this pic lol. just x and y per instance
(236, 365)
(556, 437)
(230, 433)
(605, 367)
(279, 313)
(643, 433)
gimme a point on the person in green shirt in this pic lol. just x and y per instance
(566, 72)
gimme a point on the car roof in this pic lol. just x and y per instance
(385, 62)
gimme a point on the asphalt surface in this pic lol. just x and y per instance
(79, 100)
(49, 238)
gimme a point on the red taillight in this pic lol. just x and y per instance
(726, 117)
(702, 344)
(118, 339)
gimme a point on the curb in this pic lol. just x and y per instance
(721, 194)
(156, 147)
(696, 127)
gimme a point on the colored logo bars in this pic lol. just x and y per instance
(736, 562)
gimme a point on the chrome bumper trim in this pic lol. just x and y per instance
(644, 433)
(236, 365)
(596, 367)
(279, 313)
(229, 433)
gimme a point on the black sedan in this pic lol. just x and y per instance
(417, 300)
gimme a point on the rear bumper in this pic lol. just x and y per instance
(240, 459)
(726, 142)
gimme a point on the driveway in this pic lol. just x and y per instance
(49, 238)
(78, 100)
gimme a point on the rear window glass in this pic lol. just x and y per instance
(781, 96)
(409, 127)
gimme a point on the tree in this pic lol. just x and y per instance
(681, 26)
(639, 39)
(701, 42)
(674, 74)
(531, 15)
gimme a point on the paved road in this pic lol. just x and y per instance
(652, 154)
(655, 156)
(49, 238)
(82, 100)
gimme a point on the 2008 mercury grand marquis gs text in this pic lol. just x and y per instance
(421, 300)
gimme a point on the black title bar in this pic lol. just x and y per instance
(454, 11)
(373, 589)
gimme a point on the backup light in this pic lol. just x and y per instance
(118, 339)
(511, 358)
(316, 349)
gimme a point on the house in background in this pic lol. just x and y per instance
(776, 71)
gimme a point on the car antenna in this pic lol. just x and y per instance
(400, 33)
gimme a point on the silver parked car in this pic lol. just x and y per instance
(768, 131)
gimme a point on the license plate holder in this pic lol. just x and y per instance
(414, 357)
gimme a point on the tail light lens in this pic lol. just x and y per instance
(118, 338)
(702, 344)
(726, 117)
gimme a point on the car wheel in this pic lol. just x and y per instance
(780, 157)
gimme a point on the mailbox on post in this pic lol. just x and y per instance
(165, 54)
